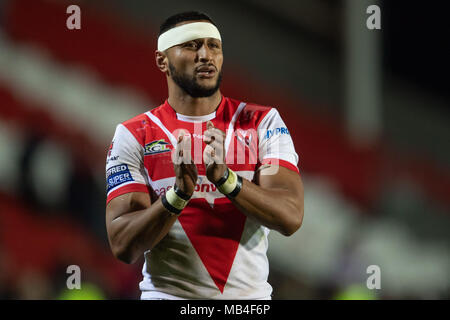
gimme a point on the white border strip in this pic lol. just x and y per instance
(158, 122)
(230, 131)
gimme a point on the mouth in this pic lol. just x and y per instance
(206, 72)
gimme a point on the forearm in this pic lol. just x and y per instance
(276, 208)
(133, 233)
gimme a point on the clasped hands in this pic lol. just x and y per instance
(213, 156)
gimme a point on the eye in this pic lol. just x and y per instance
(214, 45)
(190, 44)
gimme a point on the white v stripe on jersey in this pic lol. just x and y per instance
(230, 130)
(158, 122)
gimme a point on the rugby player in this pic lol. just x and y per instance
(196, 184)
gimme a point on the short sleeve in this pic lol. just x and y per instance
(125, 171)
(275, 142)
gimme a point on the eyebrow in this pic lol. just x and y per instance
(214, 40)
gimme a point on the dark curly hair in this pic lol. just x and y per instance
(173, 20)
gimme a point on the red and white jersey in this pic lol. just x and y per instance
(213, 251)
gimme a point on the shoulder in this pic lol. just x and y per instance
(254, 112)
(136, 122)
(137, 126)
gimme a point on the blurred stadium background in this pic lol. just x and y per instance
(368, 111)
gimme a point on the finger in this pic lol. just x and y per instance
(215, 131)
(219, 152)
(213, 135)
(181, 133)
(178, 149)
(213, 155)
(218, 146)
(208, 139)
(186, 148)
(207, 157)
(179, 153)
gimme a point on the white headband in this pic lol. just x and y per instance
(187, 32)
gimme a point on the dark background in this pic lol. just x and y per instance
(376, 187)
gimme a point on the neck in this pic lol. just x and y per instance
(184, 104)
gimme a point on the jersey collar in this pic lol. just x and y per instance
(185, 118)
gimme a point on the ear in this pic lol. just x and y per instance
(161, 61)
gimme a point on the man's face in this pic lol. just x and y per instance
(196, 66)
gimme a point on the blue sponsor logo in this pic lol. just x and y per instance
(277, 131)
(117, 175)
(155, 147)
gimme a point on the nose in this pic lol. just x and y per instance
(204, 53)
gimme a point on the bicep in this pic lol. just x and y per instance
(278, 177)
(126, 203)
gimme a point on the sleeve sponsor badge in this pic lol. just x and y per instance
(117, 175)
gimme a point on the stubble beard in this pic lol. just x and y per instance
(191, 86)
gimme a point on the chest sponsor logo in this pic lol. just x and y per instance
(156, 147)
(202, 188)
(117, 175)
